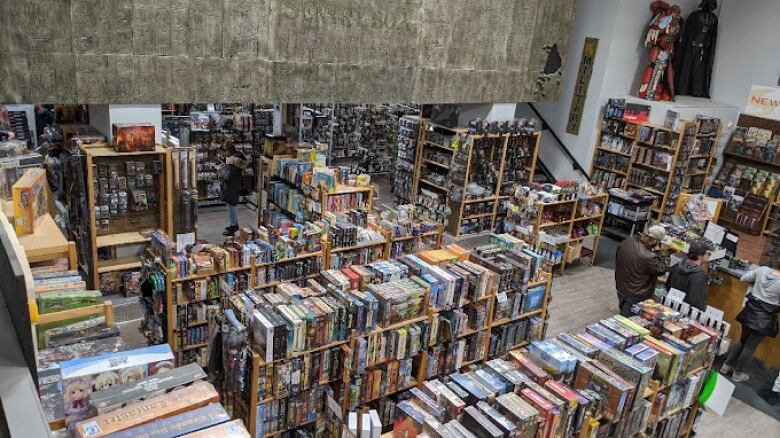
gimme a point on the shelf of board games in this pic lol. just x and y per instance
(215, 282)
(132, 192)
(449, 153)
(316, 197)
(749, 178)
(661, 401)
(661, 160)
(246, 403)
(580, 218)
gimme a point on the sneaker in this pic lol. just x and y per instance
(739, 377)
(726, 369)
(229, 231)
(769, 396)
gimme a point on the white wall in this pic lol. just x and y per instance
(747, 52)
(596, 19)
(621, 27)
(102, 117)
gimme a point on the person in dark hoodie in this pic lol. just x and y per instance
(688, 276)
(758, 319)
(231, 181)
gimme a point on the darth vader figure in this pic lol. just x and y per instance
(696, 51)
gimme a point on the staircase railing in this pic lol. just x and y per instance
(546, 126)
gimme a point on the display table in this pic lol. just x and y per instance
(729, 297)
(48, 243)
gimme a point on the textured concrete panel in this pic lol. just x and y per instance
(41, 26)
(152, 51)
(53, 77)
(102, 26)
(15, 77)
(152, 25)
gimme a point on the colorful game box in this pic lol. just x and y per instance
(29, 199)
(81, 377)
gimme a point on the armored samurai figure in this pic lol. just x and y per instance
(657, 82)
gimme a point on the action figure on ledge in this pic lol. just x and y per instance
(657, 81)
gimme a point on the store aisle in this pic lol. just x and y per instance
(584, 294)
(213, 220)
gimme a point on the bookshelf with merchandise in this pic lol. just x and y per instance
(189, 288)
(621, 377)
(462, 174)
(562, 222)
(660, 160)
(402, 312)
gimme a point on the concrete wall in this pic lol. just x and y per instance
(153, 51)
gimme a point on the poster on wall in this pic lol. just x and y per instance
(582, 84)
(763, 102)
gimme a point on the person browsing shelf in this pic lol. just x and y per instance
(758, 319)
(637, 267)
(688, 276)
(231, 180)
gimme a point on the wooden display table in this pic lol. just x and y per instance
(48, 243)
(729, 297)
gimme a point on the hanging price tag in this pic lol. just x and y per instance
(501, 298)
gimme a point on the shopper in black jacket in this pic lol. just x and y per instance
(688, 276)
(758, 319)
(231, 181)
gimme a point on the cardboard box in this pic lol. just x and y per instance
(176, 402)
(29, 199)
(119, 396)
(178, 425)
(81, 377)
(234, 429)
(134, 137)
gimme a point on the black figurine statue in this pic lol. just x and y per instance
(696, 51)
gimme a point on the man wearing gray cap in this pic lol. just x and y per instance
(637, 267)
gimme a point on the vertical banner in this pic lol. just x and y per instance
(581, 86)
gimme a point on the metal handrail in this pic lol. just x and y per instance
(575, 164)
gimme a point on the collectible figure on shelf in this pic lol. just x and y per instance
(696, 51)
(657, 82)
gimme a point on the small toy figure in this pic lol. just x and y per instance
(76, 396)
(105, 380)
(657, 82)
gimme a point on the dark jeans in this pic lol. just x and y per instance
(625, 305)
(741, 353)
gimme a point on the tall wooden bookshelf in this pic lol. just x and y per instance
(458, 170)
(247, 409)
(568, 220)
(629, 155)
(133, 229)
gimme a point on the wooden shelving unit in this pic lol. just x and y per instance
(248, 409)
(171, 280)
(763, 221)
(132, 232)
(48, 243)
(460, 152)
(318, 194)
(574, 248)
(622, 152)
